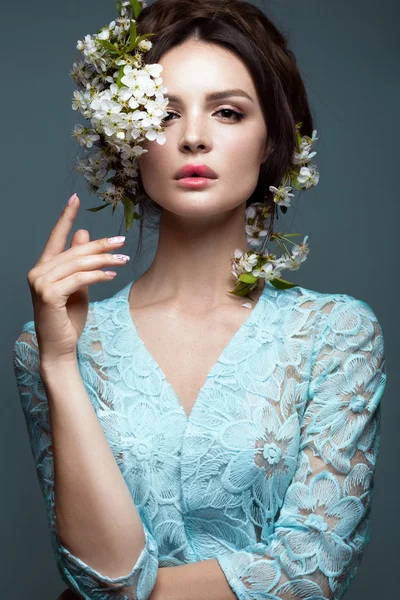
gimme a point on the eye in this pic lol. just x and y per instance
(235, 115)
(238, 116)
(166, 119)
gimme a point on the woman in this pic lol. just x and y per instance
(199, 449)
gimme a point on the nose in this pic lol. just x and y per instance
(195, 136)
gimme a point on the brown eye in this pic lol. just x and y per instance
(166, 119)
(238, 116)
(234, 115)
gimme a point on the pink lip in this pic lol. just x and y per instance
(200, 170)
(195, 182)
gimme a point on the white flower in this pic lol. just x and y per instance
(86, 137)
(248, 261)
(104, 107)
(154, 135)
(264, 271)
(113, 194)
(300, 251)
(104, 34)
(308, 176)
(81, 102)
(303, 157)
(84, 45)
(154, 70)
(251, 211)
(145, 45)
(281, 195)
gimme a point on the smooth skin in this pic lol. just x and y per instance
(59, 284)
(200, 229)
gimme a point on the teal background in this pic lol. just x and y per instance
(348, 54)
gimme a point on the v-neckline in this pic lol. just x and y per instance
(252, 314)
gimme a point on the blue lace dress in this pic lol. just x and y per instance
(272, 471)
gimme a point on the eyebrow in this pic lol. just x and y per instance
(218, 95)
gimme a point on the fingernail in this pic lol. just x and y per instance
(72, 200)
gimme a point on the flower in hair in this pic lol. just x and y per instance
(257, 263)
(123, 98)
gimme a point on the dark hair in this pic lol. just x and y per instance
(247, 32)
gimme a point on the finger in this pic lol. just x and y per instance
(59, 234)
(76, 268)
(80, 238)
(74, 254)
(67, 287)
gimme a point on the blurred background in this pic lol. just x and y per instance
(348, 55)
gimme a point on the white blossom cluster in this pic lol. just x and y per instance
(123, 98)
(248, 267)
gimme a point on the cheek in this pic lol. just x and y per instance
(153, 164)
(241, 159)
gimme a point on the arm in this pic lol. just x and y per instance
(102, 548)
(324, 523)
(202, 580)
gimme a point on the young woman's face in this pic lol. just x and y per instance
(206, 131)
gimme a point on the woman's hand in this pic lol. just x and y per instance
(59, 285)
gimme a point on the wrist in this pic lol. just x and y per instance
(56, 366)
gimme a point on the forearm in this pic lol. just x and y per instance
(203, 580)
(195, 581)
(97, 520)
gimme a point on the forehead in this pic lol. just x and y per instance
(198, 66)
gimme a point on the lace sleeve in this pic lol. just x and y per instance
(324, 523)
(79, 576)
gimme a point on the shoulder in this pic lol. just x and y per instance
(347, 321)
(330, 306)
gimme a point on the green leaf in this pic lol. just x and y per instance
(242, 289)
(136, 7)
(248, 278)
(109, 46)
(282, 284)
(129, 212)
(132, 33)
(120, 76)
(144, 36)
(98, 208)
(138, 40)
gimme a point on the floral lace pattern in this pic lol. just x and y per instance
(272, 471)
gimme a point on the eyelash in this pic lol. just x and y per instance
(238, 115)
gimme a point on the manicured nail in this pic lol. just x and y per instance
(72, 200)
(117, 240)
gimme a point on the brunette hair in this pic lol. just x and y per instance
(246, 31)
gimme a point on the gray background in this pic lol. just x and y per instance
(348, 54)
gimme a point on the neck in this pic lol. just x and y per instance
(193, 260)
